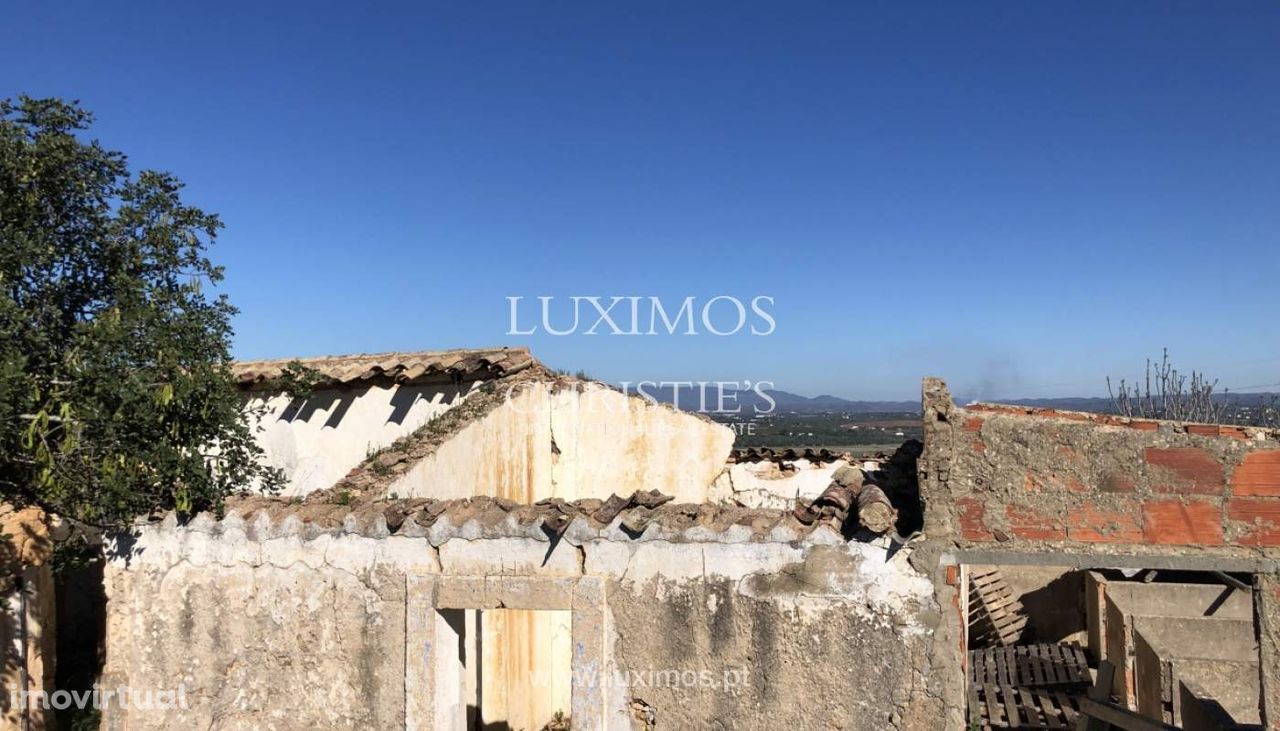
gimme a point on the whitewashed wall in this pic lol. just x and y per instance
(574, 444)
(318, 440)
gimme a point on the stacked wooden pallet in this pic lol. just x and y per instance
(1029, 666)
(1026, 686)
(1005, 707)
(996, 617)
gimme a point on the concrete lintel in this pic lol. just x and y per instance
(1195, 562)
(510, 592)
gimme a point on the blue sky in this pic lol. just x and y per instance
(1021, 197)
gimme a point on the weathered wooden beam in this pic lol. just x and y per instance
(1115, 716)
(875, 512)
(1232, 581)
(1100, 691)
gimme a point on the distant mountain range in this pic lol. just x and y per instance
(785, 401)
(751, 402)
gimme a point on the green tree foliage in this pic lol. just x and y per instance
(116, 396)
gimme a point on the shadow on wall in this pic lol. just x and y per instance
(405, 397)
(336, 403)
(905, 483)
(1053, 598)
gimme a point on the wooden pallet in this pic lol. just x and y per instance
(1030, 666)
(1006, 707)
(995, 616)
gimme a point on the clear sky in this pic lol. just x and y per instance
(1021, 197)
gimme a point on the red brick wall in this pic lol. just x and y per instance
(1010, 474)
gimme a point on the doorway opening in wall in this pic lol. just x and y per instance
(1143, 649)
(513, 668)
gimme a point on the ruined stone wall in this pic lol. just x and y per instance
(1019, 476)
(325, 615)
(286, 617)
(1016, 484)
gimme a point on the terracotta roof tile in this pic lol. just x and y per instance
(402, 368)
(642, 516)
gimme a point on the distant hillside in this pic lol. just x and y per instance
(751, 402)
(787, 402)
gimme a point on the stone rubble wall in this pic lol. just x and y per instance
(270, 621)
(1019, 476)
(1018, 482)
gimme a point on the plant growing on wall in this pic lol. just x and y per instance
(116, 396)
(1167, 393)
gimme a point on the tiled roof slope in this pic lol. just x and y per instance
(400, 368)
(615, 518)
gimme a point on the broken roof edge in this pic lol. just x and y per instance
(402, 368)
(1136, 422)
(643, 517)
(935, 388)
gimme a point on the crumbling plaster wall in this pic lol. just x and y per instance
(318, 439)
(830, 637)
(258, 647)
(764, 484)
(276, 623)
